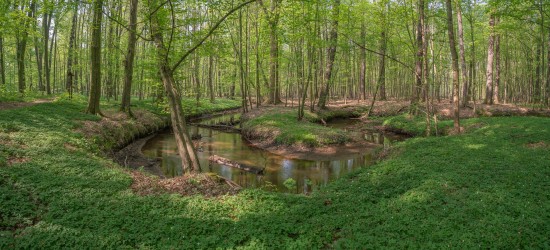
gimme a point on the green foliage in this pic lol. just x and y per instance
(290, 184)
(484, 189)
(190, 107)
(416, 125)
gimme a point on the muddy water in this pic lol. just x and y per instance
(308, 175)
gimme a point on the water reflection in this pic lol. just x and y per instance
(308, 175)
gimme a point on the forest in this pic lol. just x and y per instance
(274, 124)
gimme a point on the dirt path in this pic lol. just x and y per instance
(15, 105)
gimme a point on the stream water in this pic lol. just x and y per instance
(279, 173)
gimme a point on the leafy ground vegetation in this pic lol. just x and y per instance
(487, 188)
(279, 126)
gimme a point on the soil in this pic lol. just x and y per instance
(131, 157)
(15, 105)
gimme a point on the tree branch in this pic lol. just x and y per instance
(210, 32)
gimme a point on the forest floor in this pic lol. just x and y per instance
(20, 104)
(486, 188)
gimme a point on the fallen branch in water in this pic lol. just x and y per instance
(230, 163)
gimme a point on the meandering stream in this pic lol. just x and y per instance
(307, 174)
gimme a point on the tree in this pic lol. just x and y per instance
(490, 58)
(331, 54)
(157, 13)
(69, 84)
(462, 54)
(22, 34)
(129, 60)
(95, 56)
(454, 57)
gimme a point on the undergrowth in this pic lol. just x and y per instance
(487, 188)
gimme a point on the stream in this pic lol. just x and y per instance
(280, 174)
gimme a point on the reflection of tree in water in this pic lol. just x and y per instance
(309, 175)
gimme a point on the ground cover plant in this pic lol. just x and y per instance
(483, 189)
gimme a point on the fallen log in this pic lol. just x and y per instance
(224, 161)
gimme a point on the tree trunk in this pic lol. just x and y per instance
(46, 29)
(454, 57)
(2, 64)
(69, 83)
(190, 162)
(21, 47)
(547, 99)
(211, 78)
(331, 55)
(497, 70)
(129, 60)
(95, 56)
(462, 54)
(490, 58)
(274, 89)
(382, 68)
(419, 53)
(363, 61)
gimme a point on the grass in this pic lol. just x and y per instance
(487, 188)
(282, 128)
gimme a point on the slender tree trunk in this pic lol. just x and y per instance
(21, 47)
(462, 55)
(419, 52)
(3, 65)
(331, 55)
(70, 74)
(46, 29)
(497, 70)
(363, 62)
(95, 56)
(129, 60)
(454, 57)
(211, 78)
(190, 162)
(490, 58)
(381, 84)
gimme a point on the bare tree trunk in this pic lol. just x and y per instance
(69, 83)
(497, 70)
(95, 56)
(2, 64)
(46, 29)
(331, 55)
(462, 55)
(419, 52)
(490, 58)
(454, 57)
(129, 60)
(363, 61)
(21, 47)
(211, 78)
(382, 68)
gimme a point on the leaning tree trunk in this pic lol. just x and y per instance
(95, 56)
(454, 57)
(490, 58)
(189, 160)
(331, 55)
(129, 60)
